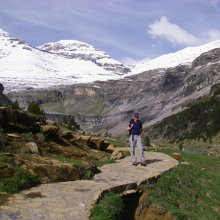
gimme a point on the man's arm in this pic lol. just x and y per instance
(130, 127)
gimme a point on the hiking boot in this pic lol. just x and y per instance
(144, 163)
(134, 164)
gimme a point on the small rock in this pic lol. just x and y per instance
(117, 155)
(66, 134)
(177, 156)
(111, 148)
(32, 147)
(6, 171)
(13, 135)
(184, 163)
(50, 122)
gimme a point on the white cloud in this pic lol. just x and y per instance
(213, 35)
(171, 32)
(214, 2)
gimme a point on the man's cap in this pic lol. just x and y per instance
(136, 114)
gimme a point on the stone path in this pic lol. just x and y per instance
(73, 200)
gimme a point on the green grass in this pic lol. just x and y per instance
(100, 163)
(22, 180)
(68, 160)
(95, 107)
(28, 136)
(189, 192)
(6, 159)
(210, 163)
(109, 209)
(117, 142)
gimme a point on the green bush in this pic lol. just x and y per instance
(22, 180)
(71, 124)
(34, 108)
(3, 139)
(15, 105)
(109, 209)
(28, 136)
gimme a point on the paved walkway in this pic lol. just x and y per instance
(73, 200)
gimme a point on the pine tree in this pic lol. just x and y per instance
(34, 108)
(15, 105)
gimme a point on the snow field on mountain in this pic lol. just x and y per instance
(185, 56)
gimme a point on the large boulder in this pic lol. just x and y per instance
(117, 155)
(49, 130)
(49, 170)
(66, 134)
(96, 143)
(32, 147)
(6, 171)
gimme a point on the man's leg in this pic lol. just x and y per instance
(140, 149)
(132, 148)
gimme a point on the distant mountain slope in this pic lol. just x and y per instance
(200, 120)
(109, 105)
(181, 57)
(23, 66)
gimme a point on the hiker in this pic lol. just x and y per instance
(135, 133)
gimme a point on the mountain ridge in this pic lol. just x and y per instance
(25, 67)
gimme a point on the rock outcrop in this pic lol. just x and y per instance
(4, 99)
(49, 170)
(19, 120)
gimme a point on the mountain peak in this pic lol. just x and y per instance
(4, 33)
(75, 49)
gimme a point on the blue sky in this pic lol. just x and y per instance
(128, 30)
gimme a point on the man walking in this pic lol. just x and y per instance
(135, 133)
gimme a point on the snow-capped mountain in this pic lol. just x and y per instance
(67, 62)
(184, 56)
(23, 66)
(80, 50)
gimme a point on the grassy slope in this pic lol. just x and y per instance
(189, 192)
(197, 127)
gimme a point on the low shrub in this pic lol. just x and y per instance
(22, 180)
(109, 209)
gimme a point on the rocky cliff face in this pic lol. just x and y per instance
(4, 99)
(155, 94)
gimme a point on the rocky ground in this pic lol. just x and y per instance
(32, 147)
(73, 199)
